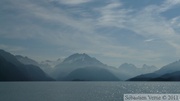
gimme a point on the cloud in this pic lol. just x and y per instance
(76, 29)
(71, 2)
(175, 23)
(168, 4)
(55, 16)
(70, 33)
(149, 40)
(176, 46)
(12, 48)
(147, 22)
(113, 15)
(150, 23)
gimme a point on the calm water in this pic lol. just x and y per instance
(81, 91)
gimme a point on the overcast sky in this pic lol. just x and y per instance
(113, 31)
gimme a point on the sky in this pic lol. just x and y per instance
(114, 31)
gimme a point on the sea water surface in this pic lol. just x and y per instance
(81, 91)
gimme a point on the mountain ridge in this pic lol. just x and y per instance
(73, 62)
(168, 69)
(9, 64)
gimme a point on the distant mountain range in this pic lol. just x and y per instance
(80, 67)
(132, 70)
(20, 68)
(170, 72)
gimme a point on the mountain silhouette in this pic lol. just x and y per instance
(13, 70)
(168, 72)
(74, 62)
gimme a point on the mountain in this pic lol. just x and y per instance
(10, 72)
(25, 60)
(81, 60)
(91, 74)
(128, 68)
(48, 65)
(175, 76)
(148, 69)
(168, 70)
(45, 66)
(51, 63)
(144, 77)
(74, 62)
(77, 61)
(126, 71)
(13, 70)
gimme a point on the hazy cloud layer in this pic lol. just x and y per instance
(110, 30)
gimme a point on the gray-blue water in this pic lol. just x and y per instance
(81, 91)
